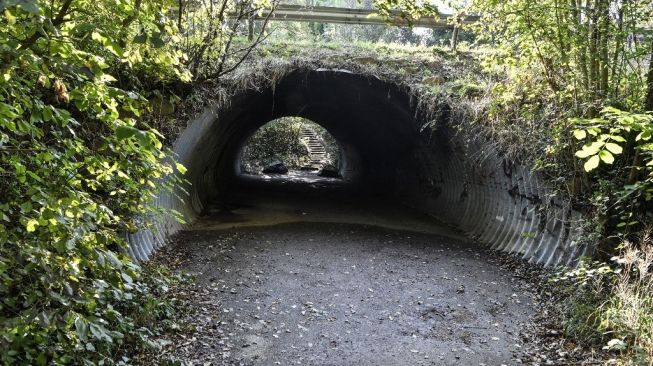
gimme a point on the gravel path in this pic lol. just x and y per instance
(342, 294)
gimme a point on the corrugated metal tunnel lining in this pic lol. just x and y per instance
(492, 200)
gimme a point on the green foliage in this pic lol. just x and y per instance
(78, 171)
(610, 305)
(406, 9)
(278, 139)
(605, 136)
(574, 52)
(627, 316)
(582, 290)
(562, 60)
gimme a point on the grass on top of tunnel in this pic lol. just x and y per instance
(445, 87)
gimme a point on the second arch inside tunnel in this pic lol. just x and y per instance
(292, 149)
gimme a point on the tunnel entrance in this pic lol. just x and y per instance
(446, 171)
(394, 253)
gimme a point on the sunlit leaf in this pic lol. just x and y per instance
(580, 134)
(31, 225)
(614, 148)
(606, 157)
(644, 135)
(617, 138)
(591, 163)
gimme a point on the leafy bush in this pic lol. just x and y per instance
(627, 317)
(611, 305)
(77, 172)
(582, 290)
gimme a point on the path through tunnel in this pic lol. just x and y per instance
(450, 174)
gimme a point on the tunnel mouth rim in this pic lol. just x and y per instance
(487, 213)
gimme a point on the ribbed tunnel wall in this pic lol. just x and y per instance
(455, 177)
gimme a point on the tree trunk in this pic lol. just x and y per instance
(454, 39)
(582, 51)
(648, 104)
(593, 20)
(618, 49)
(603, 44)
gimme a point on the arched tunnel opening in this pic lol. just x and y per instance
(373, 122)
(393, 254)
(450, 174)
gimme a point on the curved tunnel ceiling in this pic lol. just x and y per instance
(494, 202)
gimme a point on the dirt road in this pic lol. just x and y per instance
(338, 294)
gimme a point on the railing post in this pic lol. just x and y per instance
(454, 39)
(250, 28)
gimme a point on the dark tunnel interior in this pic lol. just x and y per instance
(372, 121)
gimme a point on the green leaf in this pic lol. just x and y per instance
(85, 27)
(124, 132)
(126, 277)
(110, 45)
(26, 206)
(98, 37)
(614, 148)
(591, 163)
(644, 135)
(47, 114)
(30, 6)
(181, 168)
(143, 139)
(140, 39)
(113, 259)
(593, 131)
(606, 157)
(156, 41)
(580, 134)
(11, 19)
(99, 332)
(81, 328)
(114, 48)
(31, 225)
(589, 149)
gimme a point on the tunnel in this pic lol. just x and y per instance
(454, 175)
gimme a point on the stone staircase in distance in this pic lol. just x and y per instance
(316, 150)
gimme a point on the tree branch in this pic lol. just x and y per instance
(220, 72)
(57, 21)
